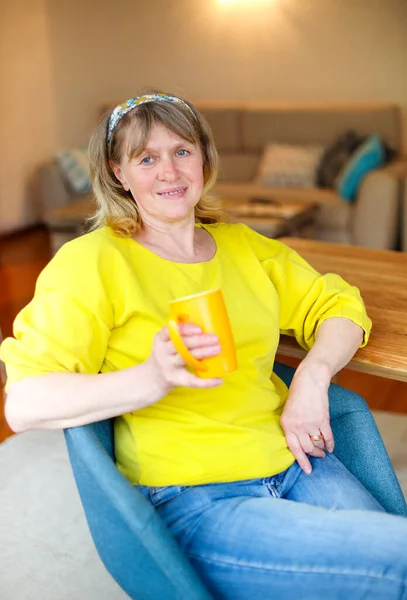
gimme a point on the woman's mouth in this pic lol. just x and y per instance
(173, 192)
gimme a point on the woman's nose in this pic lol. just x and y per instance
(168, 170)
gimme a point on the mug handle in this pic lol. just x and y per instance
(181, 348)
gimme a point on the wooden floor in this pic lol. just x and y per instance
(24, 255)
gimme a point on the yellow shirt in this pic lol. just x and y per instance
(102, 298)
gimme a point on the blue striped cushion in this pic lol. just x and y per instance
(370, 155)
(74, 166)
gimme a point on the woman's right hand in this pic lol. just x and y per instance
(170, 368)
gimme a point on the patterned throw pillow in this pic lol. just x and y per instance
(74, 166)
(289, 166)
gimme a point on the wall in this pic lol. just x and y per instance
(60, 61)
(279, 50)
(27, 123)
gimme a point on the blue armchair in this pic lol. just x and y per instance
(135, 545)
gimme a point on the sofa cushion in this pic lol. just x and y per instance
(238, 166)
(74, 166)
(284, 165)
(318, 124)
(369, 156)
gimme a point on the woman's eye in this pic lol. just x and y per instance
(182, 152)
(147, 160)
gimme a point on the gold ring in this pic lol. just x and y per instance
(317, 438)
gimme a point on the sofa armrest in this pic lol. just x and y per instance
(53, 191)
(397, 168)
(376, 210)
(404, 217)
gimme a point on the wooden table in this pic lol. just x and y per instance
(381, 276)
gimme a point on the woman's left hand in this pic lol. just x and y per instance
(306, 414)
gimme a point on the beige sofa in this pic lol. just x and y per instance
(241, 132)
(403, 218)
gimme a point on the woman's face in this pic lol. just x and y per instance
(166, 179)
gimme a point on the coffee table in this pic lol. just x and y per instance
(275, 218)
(269, 217)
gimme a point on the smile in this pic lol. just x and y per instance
(174, 193)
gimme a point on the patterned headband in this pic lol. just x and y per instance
(122, 109)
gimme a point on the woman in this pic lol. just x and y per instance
(241, 471)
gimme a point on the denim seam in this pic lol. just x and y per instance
(273, 490)
(295, 570)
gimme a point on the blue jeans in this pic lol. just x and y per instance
(283, 537)
(358, 444)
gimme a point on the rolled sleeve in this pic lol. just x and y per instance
(307, 298)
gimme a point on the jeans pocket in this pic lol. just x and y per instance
(275, 483)
(159, 495)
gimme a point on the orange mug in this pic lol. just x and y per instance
(208, 311)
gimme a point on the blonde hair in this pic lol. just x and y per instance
(116, 207)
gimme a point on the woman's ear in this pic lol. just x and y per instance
(118, 172)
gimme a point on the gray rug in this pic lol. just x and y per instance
(46, 552)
